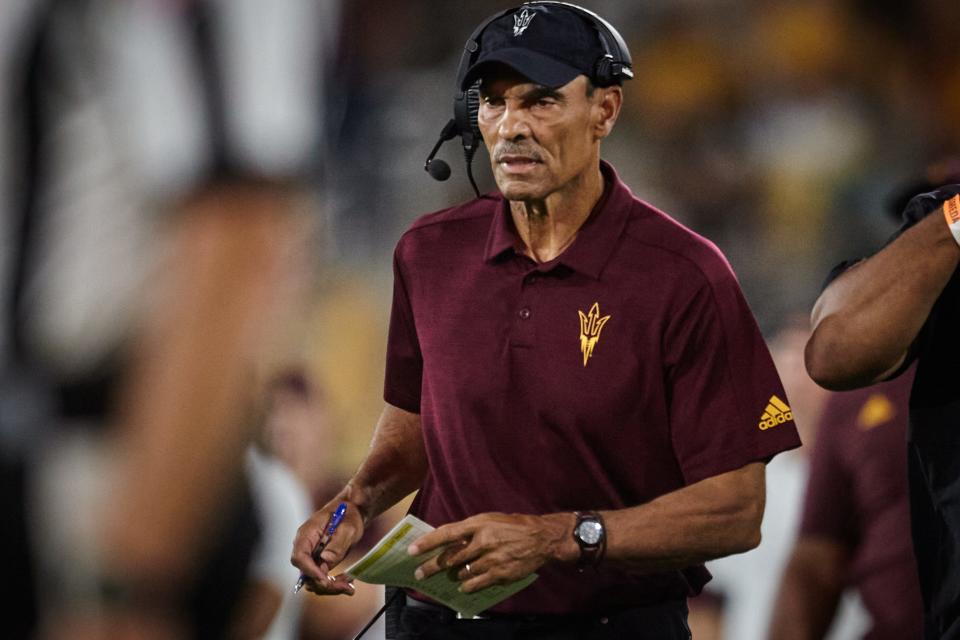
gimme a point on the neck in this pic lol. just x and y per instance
(548, 226)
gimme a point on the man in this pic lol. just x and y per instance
(875, 318)
(854, 531)
(122, 114)
(574, 381)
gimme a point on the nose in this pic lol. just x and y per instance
(513, 123)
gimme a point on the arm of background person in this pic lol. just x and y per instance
(865, 321)
(182, 429)
(715, 517)
(394, 468)
(810, 589)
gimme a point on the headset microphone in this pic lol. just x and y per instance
(438, 169)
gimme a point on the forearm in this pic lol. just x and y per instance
(182, 431)
(394, 468)
(713, 518)
(865, 321)
(809, 591)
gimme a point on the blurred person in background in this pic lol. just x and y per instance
(154, 165)
(740, 599)
(299, 430)
(299, 434)
(876, 317)
(855, 529)
(480, 416)
(269, 609)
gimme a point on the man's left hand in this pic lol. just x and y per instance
(497, 548)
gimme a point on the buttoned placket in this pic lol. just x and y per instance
(529, 303)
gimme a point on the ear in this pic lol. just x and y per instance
(606, 109)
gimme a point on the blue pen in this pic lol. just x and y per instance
(335, 520)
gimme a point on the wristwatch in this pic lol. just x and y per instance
(591, 536)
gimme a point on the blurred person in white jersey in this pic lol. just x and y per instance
(153, 167)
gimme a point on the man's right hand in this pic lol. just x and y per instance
(317, 571)
(396, 466)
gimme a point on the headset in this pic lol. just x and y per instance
(613, 67)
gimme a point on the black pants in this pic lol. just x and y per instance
(667, 621)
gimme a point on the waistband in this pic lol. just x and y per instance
(446, 614)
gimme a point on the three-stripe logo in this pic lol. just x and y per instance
(777, 412)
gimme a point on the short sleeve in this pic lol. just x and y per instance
(828, 505)
(727, 406)
(404, 370)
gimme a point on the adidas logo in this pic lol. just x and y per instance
(777, 412)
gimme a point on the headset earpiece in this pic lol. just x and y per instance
(473, 113)
(603, 71)
(466, 107)
(466, 110)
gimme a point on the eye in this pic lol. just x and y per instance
(492, 101)
(543, 102)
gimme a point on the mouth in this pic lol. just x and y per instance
(515, 163)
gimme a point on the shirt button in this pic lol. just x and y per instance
(533, 279)
(524, 313)
(604, 620)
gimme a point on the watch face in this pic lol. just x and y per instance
(590, 532)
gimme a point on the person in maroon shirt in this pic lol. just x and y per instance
(574, 381)
(855, 528)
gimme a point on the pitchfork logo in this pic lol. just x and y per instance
(521, 21)
(590, 326)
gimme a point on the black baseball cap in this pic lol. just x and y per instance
(550, 45)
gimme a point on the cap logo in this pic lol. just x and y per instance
(521, 21)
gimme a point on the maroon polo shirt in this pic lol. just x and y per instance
(626, 368)
(857, 496)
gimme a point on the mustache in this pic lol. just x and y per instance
(515, 149)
